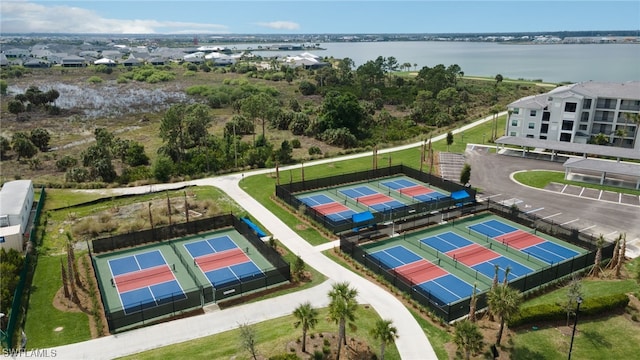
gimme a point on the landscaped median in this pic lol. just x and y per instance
(541, 178)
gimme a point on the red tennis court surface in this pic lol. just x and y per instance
(374, 199)
(415, 190)
(143, 278)
(472, 254)
(520, 239)
(420, 271)
(330, 208)
(221, 259)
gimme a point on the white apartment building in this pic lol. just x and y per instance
(588, 112)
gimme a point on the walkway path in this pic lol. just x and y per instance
(412, 342)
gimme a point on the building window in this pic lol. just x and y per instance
(566, 137)
(513, 133)
(532, 113)
(546, 116)
(567, 125)
(586, 104)
(583, 127)
(584, 117)
(570, 107)
(514, 122)
(532, 125)
(516, 111)
(529, 136)
(543, 137)
(544, 128)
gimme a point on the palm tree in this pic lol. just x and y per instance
(468, 338)
(385, 332)
(307, 319)
(472, 304)
(596, 269)
(503, 301)
(342, 308)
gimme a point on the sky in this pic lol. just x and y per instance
(314, 17)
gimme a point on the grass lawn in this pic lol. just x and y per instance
(540, 179)
(272, 338)
(612, 336)
(43, 318)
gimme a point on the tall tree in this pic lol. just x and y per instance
(40, 138)
(23, 146)
(449, 139)
(597, 261)
(498, 79)
(257, 107)
(468, 338)
(465, 174)
(504, 302)
(385, 332)
(473, 303)
(16, 107)
(307, 319)
(342, 308)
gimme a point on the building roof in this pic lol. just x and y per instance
(12, 196)
(531, 102)
(610, 151)
(611, 167)
(590, 89)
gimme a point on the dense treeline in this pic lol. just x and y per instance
(340, 104)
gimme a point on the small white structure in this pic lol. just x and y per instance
(16, 201)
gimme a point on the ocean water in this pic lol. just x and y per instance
(552, 63)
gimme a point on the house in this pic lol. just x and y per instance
(105, 61)
(16, 201)
(604, 113)
(3, 60)
(34, 63)
(73, 61)
(157, 61)
(131, 61)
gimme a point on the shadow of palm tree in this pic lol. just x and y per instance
(596, 338)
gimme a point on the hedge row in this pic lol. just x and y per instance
(556, 312)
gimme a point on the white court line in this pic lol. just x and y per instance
(620, 197)
(612, 233)
(565, 186)
(534, 210)
(600, 195)
(550, 216)
(570, 221)
(587, 228)
(490, 196)
(581, 191)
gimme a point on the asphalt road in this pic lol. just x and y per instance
(492, 174)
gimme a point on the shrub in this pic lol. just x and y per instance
(66, 162)
(314, 150)
(295, 143)
(95, 79)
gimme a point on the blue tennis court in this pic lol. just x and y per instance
(492, 228)
(547, 251)
(432, 196)
(143, 281)
(343, 215)
(315, 200)
(210, 246)
(446, 241)
(550, 252)
(359, 191)
(516, 269)
(234, 274)
(387, 206)
(395, 256)
(448, 288)
(398, 184)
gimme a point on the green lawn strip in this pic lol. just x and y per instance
(59, 198)
(612, 337)
(541, 178)
(272, 338)
(43, 318)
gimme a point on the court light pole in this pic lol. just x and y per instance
(575, 325)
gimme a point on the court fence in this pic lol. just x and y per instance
(288, 193)
(195, 298)
(350, 244)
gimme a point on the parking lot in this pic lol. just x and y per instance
(589, 193)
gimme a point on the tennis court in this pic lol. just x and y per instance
(528, 243)
(372, 198)
(328, 207)
(415, 191)
(222, 261)
(144, 280)
(476, 256)
(428, 277)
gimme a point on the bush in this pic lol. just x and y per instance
(66, 162)
(284, 357)
(295, 143)
(555, 312)
(95, 79)
(314, 150)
